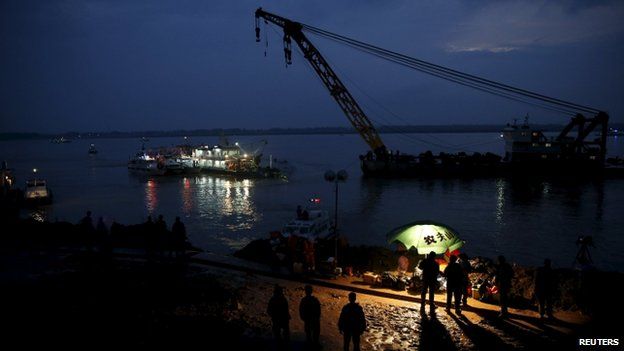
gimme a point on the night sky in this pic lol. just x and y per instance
(103, 65)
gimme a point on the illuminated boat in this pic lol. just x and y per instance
(143, 163)
(227, 159)
(311, 223)
(92, 150)
(37, 192)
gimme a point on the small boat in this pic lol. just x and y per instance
(158, 164)
(311, 224)
(92, 150)
(37, 192)
(61, 140)
(144, 139)
(146, 164)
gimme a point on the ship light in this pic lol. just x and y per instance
(501, 135)
(245, 155)
(34, 170)
(236, 143)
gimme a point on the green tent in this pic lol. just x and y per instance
(426, 236)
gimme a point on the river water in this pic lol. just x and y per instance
(525, 221)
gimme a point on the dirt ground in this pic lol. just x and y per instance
(399, 325)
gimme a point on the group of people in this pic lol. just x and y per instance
(158, 238)
(351, 324)
(457, 281)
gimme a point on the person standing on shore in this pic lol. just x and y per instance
(504, 274)
(161, 234)
(466, 269)
(352, 323)
(454, 284)
(544, 286)
(430, 270)
(310, 313)
(88, 231)
(280, 316)
(178, 234)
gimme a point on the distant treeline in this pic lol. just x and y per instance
(279, 131)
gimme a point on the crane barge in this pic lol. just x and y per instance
(527, 151)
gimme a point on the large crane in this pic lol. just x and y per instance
(353, 111)
(526, 150)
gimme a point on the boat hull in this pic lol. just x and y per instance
(391, 169)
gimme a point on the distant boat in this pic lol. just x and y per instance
(613, 132)
(92, 150)
(144, 139)
(61, 140)
(156, 165)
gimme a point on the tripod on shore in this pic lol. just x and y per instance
(583, 256)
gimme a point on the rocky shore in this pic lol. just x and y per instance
(575, 290)
(80, 297)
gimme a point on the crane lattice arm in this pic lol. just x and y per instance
(338, 91)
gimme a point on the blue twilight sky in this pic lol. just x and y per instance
(102, 65)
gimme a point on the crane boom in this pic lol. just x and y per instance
(336, 88)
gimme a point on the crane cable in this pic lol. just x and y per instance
(447, 73)
(391, 129)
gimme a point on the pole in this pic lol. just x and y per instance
(336, 228)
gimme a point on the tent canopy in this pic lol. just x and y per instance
(426, 236)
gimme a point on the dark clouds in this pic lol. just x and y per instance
(136, 65)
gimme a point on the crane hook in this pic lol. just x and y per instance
(257, 31)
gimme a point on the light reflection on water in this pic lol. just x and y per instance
(151, 195)
(500, 200)
(526, 221)
(223, 200)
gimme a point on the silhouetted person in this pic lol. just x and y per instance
(87, 222)
(310, 313)
(454, 282)
(403, 261)
(430, 270)
(504, 274)
(299, 212)
(150, 236)
(87, 230)
(101, 227)
(280, 316)
(102, 236)
(161, 233)
(178, 232)
(352, 323)
(544, 288)
(466, 269)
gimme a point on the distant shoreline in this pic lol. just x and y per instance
(271, 131)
